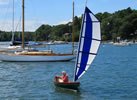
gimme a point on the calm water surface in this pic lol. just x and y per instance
(112, 76)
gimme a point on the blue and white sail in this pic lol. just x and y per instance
(89, 43)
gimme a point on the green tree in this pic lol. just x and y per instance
(43, 32)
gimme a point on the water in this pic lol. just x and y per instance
(112, 76)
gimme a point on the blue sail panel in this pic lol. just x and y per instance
(89, 43)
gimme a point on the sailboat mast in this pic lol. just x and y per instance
(73, 30)
(13, 24)
(85, 3)
(22, 24)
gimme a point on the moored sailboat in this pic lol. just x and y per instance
(13, 42)
(90, 39)
(33, 55)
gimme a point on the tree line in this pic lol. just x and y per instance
(122, 23)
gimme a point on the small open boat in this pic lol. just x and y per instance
(69, 85)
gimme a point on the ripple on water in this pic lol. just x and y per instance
(112, 76)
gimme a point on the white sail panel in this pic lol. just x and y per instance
(96, 31)
(93, 17)
(90, 60)
(87, 67)
(94, 46)
(82, 43)
(79, 58)
(84, 27)
(77, 69)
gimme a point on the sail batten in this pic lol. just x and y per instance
(90, 39)
(88, 53)
(91, 21)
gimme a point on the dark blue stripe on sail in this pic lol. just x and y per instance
(88, 11)
(86, 45)
(81, 68)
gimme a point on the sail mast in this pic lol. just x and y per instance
(23, 24)
(86, 3)
(13, 24)
(73, 30)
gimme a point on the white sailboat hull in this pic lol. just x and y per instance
(28, 58)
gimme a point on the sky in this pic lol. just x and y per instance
(53, 12)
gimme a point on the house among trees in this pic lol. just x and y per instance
(67, 35)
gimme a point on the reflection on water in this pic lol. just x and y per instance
(75, 94)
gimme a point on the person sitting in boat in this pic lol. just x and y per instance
(64, 78)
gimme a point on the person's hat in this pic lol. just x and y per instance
(63, 72)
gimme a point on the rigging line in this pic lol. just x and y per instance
(18, 24)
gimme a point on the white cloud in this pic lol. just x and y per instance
(6, 6)
(30, 25)
(5, 11)
(5, 26)
(4, 2)
(63, 22)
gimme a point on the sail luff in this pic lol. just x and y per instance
(89, 43)
(79, 47)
